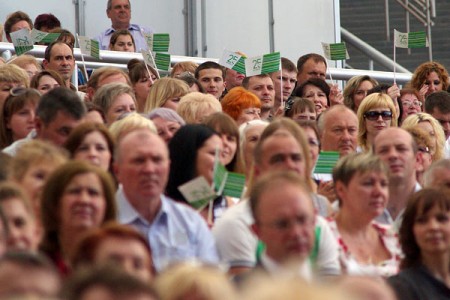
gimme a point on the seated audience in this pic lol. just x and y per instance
(24, 230)
(76, 197)
(18, 117)
(122, 40)
(118, 245)
(376, 113)
(167, 122)
(241, 105)
(115, 99)
(46, 81)
(226, 127)
(365, 247)
(26, 275)
(106, 283)
(195, 107)
(33, 164)
(425, 267)
(356, 90)
(142, 78)
(93, 143)
(166, 92)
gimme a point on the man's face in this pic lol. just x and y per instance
(264, 89)
(233, 79)
(311, 69)
(58, 130)
(285, 222)
(340, 132)
(441, 178)
(444, 120)
(212, 81)
(394, 147)
(61, 61)
(286, 82)
(281, 152)
(120, 14)
(143, 166)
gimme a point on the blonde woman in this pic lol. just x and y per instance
(376, 112)
(432, 127)
(166, 92)
(195, 107)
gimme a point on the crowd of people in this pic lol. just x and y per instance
(90, 199)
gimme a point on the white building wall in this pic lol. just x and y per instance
(300, 25)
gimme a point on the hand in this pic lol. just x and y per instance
(326, 188)
(423, 91)
(393, 91)
(336, 96)
(280, 111)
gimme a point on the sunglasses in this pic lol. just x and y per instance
(374, 115)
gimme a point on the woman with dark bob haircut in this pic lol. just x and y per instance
(93, 143)
(77, 197)
(192, 154)
(425, 241)
(316, 90)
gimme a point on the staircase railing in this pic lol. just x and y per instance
(422, 10)
(372, 53)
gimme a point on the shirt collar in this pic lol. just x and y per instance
(131, 27)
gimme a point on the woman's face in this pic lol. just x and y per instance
(94, 116)
(172, 103)
(123, 43)
(123, 103)
(229, 147)
(166, 129)
(5, 87)
(432, 231)
(426, 126)
(33, 181)
(128, 253)
(204, 164)
(46, 84)
(313, 142)
(22, 121)
(82, 204)
(31, 70)
(94, 149)
(142, 88)
(433, 82)
(249, 114)
(23, 230)
(251, 138)
(365, 195)
(361, 92)
(305, 115)
(316, 95)
(410, 104)
(376, 123)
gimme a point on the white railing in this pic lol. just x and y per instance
(120, 59)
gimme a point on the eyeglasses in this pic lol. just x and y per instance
(374, 115)
(17, 91)
(411, 104)
(424, 149)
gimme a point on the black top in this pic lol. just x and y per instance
(417, 283)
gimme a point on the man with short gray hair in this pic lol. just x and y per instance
(119, 11)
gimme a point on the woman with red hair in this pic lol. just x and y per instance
(241, 105)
